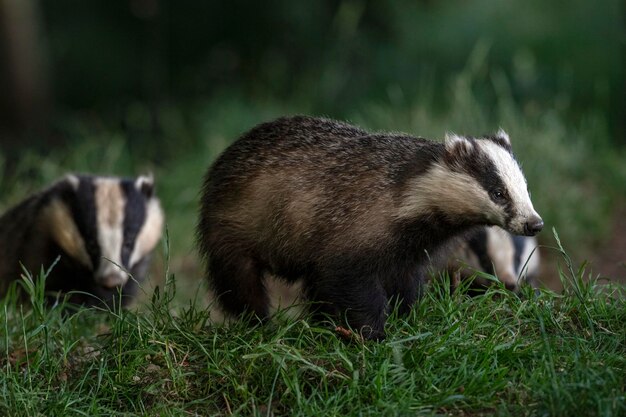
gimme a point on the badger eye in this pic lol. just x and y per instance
(498, 196)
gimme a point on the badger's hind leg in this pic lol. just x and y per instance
(237, 281)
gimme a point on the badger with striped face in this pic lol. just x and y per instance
(513, 260)
(353, 214)
(102, 229)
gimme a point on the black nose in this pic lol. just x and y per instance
(532, 227)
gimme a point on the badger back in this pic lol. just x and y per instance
(290, 184)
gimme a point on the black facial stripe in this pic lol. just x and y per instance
(82, 203)
(134, 218)
(486, 173)
(488, 176)
(478, 244)
(519, 242)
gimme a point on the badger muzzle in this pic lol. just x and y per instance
(533, 226)
(111, 281)
(110, 275)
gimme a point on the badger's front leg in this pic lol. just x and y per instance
(404, 285)
(360, 301)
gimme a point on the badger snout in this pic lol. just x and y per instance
(112, 280)
(533, 226)
(509, 279)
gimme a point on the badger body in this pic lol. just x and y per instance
(512, 259)
(354, 214)
(99, 228)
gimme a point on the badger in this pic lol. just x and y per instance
(355, 214)
(512, 259)
(99, 230)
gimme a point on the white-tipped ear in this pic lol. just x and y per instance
(72, 180)
(145, 184)
(457, 144)
(501, 134)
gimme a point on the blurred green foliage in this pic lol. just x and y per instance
(333, 54)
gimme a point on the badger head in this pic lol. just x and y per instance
(494, 187)
(106, 224)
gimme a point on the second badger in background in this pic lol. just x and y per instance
(514, 260)
(100, 228)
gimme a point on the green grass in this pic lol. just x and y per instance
(497, 354)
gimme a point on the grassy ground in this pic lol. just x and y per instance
(497, 354)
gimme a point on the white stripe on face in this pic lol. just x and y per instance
(110, 204)
(501, 251)
(515, 183)
(529, 260)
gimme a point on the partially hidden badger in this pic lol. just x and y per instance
(101, 229)
(355, 214)
(513, 260)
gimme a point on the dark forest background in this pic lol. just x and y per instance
(109, 57)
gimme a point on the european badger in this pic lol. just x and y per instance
(356, 214)
(101, 227)
(512, 259)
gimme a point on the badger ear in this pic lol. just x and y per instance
(66, 187)
(458, 145)
(502, 135)
(72, 180)
(145, 184)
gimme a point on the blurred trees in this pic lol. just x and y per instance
(22, 72)
(332, 54)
